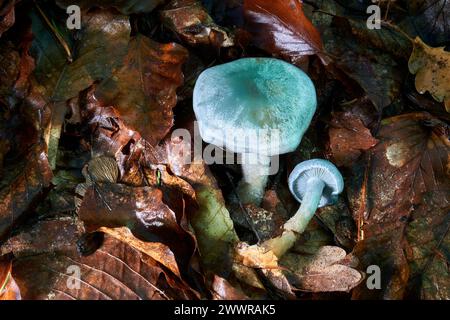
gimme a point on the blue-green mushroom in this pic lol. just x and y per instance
(315, 184)
(257, 107)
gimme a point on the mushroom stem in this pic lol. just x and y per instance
(255, 170)
(298, 223)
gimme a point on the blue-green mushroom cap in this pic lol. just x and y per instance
(321, 169)
(254, 105)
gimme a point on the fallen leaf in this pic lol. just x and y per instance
(428, 19)
(142, 210)
(374, 70)
(432, 69)
(192, 22)
(223, 290)
(22, 187)
(143, 89)
(212, 223)
(16, 66)
(156, 250)
(324, 271)
(348, 138)
(405, 221)
(114, 271)
(102, 44)
(281, 28)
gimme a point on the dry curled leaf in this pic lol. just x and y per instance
(432, 69)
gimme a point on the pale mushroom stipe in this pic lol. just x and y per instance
(315, 184)
(257, 107)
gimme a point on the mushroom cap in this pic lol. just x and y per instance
(247, 98)
(316, 168)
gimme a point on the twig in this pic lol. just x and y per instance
(56, 33)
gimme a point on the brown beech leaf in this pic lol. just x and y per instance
(192, 22)
(324, 271)
(143, 89)
(281, 28)
(22, 186)
(7, 15)
(348, 138)
(432, 69)
(156, 250)
(404, 214)
(46, 269)
(142, 210)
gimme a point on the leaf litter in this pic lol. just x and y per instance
(92, 177)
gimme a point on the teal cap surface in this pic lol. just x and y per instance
(254, 105)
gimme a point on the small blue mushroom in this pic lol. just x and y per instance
(258, 107)
(314, 183)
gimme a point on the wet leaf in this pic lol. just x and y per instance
(348, 138)
(432, 69)
(405, 220)
(102, 43)
(143, 89)
(281, 28)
